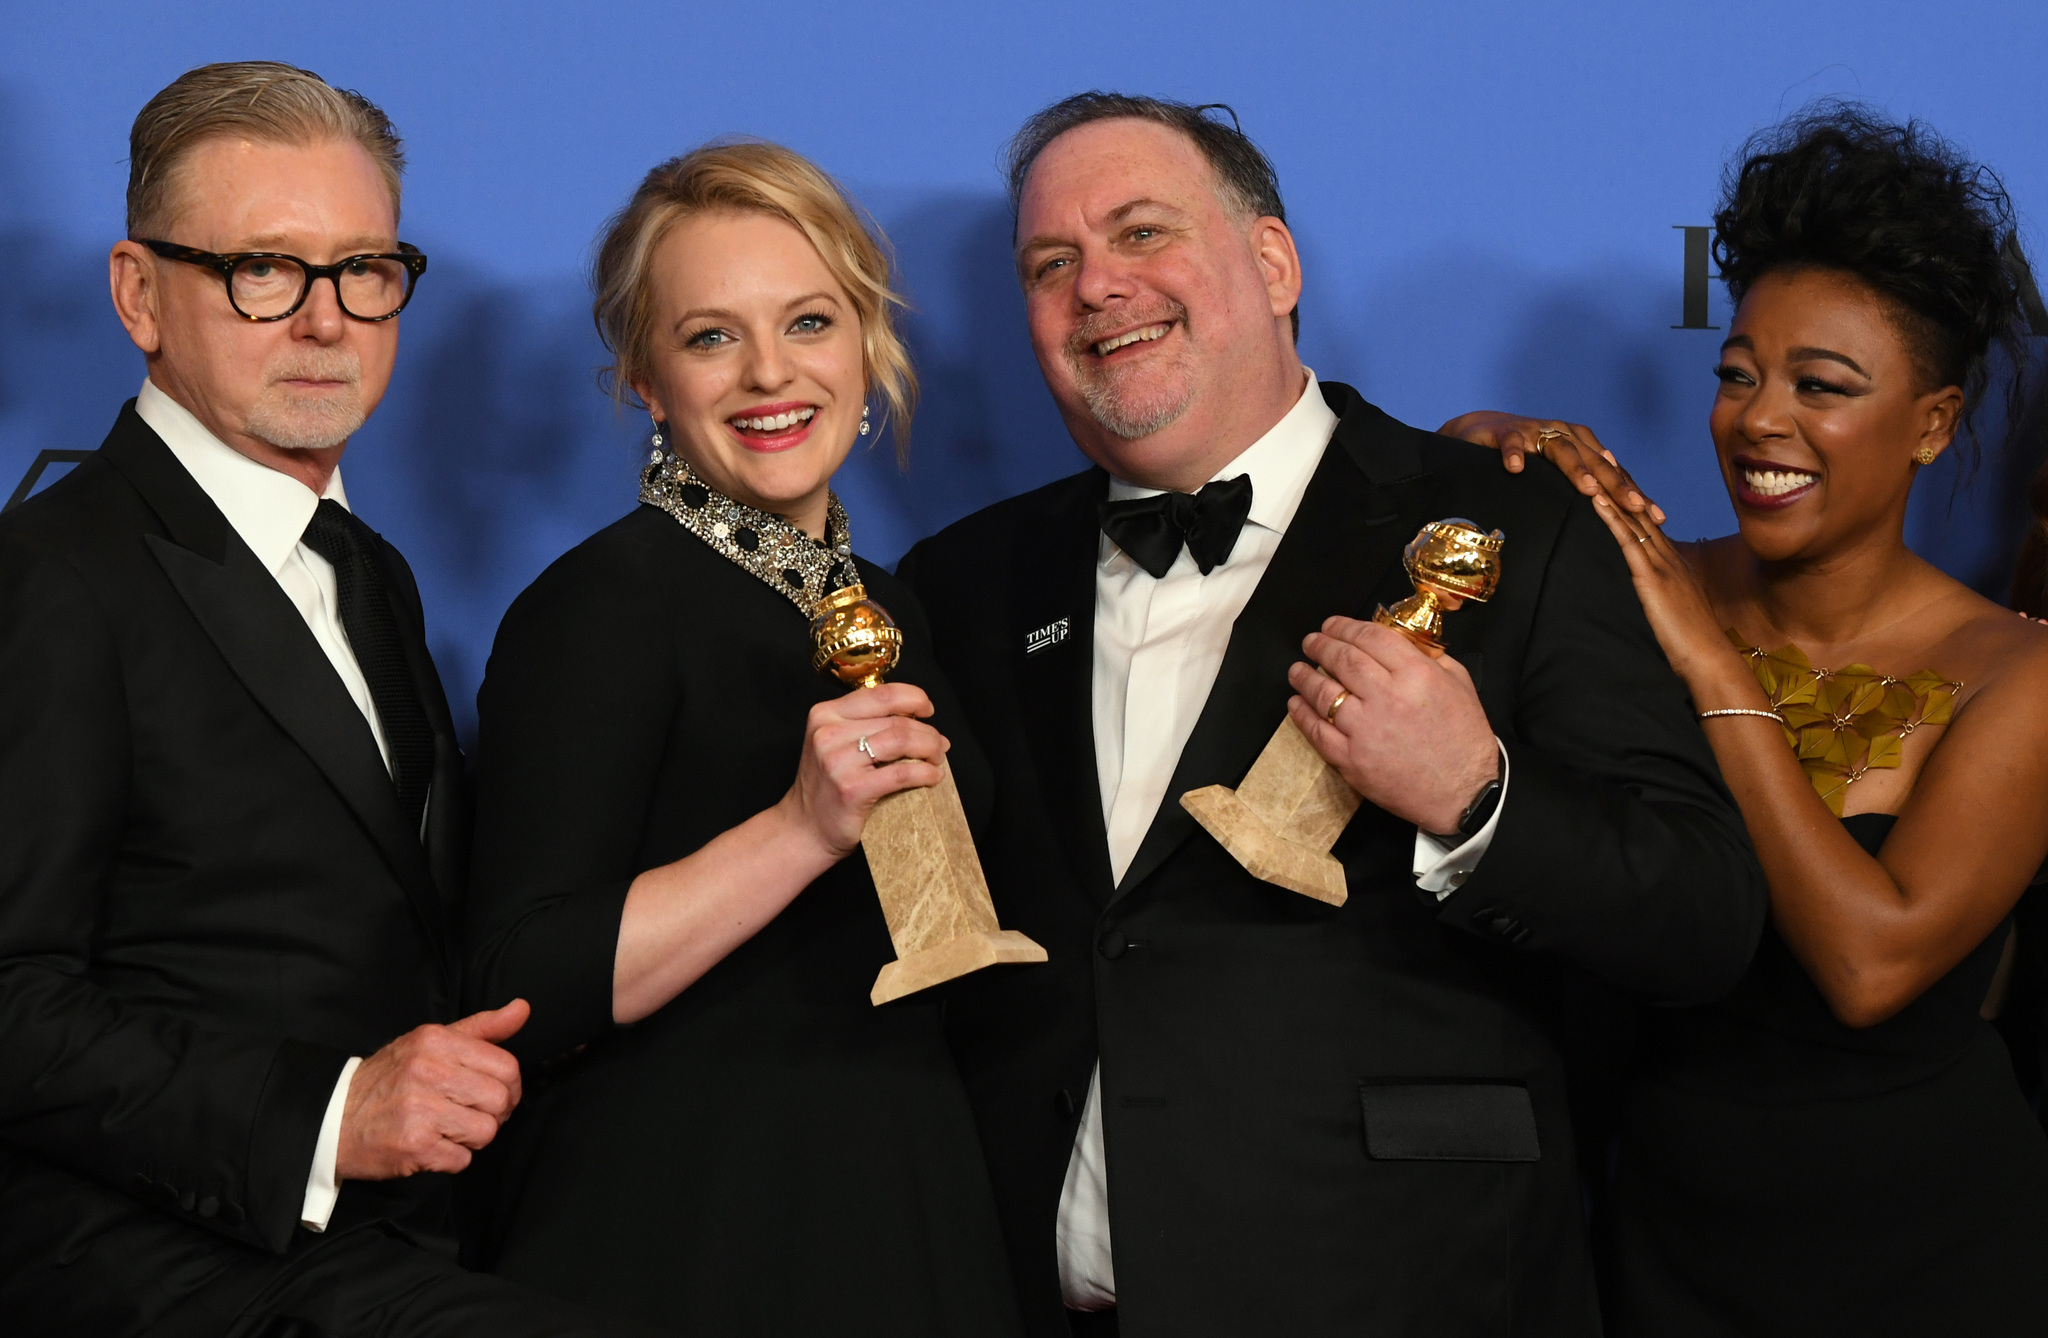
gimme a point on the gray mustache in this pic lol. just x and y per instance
(345, 368)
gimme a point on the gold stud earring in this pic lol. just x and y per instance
(1925, 455)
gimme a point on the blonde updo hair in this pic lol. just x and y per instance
(750, 176)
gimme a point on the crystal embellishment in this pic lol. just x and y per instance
(801, 569)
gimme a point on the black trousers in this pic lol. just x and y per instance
(371, 1285)
(1093, 1323)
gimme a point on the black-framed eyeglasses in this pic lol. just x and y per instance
(269, 285)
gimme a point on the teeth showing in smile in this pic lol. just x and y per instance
(1144, 336)
(775, 422)
(1777, 482)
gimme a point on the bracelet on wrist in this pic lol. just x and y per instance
(1742, 710)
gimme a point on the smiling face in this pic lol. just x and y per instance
(1158, 312)
(1821, 409)
(287, 393)
(756, 361)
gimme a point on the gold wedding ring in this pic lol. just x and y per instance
(1331, 714)
(1545, 435)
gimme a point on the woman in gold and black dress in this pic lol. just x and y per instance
(1840, 1145)
(722, 1135)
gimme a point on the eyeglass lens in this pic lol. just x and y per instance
(370, 288)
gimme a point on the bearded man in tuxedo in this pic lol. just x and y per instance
(1223, 1107)
(232, 1081)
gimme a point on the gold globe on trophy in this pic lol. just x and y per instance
(920, 852)
(854, 639)
(1291, 807)
(1448, 562)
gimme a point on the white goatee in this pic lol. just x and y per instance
(294, 422)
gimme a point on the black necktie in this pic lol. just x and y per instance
(374, 636)
(1152, 529)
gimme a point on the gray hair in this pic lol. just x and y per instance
(1244, 175)
(260, 99)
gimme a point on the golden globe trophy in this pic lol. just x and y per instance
(1448, 562)
(1292, 805)
(919, 849)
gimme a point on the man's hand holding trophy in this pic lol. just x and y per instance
(1291, 807)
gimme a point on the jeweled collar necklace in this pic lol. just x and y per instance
(796, 566)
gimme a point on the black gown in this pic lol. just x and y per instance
(769, 1153)
(1781, 1173)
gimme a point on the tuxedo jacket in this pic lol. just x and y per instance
(1329, 1120)
(209, 900)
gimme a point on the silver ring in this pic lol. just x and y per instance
(1642, 538)
(863, 746)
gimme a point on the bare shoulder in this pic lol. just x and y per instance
(2000, 656)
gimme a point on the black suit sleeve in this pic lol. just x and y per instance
(573, 718)
(216, 1127)
(1618, 846)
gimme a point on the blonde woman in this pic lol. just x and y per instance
(724, 1136)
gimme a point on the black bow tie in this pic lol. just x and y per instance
(1152, 529)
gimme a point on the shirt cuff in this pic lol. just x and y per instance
(322, 1189)
(1442, 868)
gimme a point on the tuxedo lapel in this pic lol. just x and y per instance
(267, 645)
(1340, 555)
(1053, 634)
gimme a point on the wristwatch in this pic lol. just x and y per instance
(1480, 811)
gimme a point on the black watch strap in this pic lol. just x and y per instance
(1480, 811)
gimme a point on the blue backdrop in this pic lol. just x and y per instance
(1486, 196)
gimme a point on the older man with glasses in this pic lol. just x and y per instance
(232, 1083)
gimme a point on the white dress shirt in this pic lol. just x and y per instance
(270, 511)
(1158, 646)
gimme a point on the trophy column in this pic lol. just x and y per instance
(920, 853)
(1281, 822)
(934, 896)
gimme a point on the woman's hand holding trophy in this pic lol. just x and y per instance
(920, 852)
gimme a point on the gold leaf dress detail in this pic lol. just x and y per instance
(1841, 723)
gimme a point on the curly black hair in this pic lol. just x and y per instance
(1839, 187)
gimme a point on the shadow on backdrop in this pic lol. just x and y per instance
(494, 451)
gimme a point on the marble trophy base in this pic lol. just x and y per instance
(1282, 820)
(934, 896)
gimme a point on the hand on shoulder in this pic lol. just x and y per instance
(1571, 447)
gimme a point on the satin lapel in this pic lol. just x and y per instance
(266, 643)
(1341, 554)
(1055, 683)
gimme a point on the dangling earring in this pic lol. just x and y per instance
(1925, 455)
(863, 418)
(657, 441)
